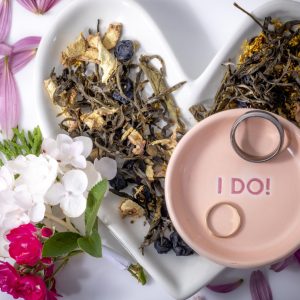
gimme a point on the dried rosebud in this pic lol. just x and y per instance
(46, 232)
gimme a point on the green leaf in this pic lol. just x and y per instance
(60, 244)
(94, 200)
(22, 144)
(91, 244)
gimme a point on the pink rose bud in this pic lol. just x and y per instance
(32, 287)
(24, 245)
(46, 232)
(9, 279)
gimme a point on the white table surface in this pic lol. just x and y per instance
(196, 30)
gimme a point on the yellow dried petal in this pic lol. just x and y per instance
(112, 35)
(108, 62)
(74, 50)
(136, 139)
(51, 87)
(150, 172)
(131, 208)
(95, 120)
(126, 134)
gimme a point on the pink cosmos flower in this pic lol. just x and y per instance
(32, 287)
(9, 278)
(24, 245)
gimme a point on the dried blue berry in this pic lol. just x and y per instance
(124, 50)
(127, 88)
(241, 104)
(118, 183)
(179, 246)
(162, 245)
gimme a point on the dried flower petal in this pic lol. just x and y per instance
(112, 35)
(5, 19)
(279, 266)
(29, 5)
(225, 288)
(9, 100)
(259, 286)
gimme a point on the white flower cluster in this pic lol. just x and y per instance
(61, 175)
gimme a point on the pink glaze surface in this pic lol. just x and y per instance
(204, 170)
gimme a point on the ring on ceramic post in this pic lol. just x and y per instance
(257, 114)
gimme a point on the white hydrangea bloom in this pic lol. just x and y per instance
(107, 167)
(69, 193)
(68, 151)
(34, 176)
(7, 179)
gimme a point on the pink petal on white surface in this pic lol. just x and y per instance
(29, 4)
(45, 5)
(281, 265)
(5, 19)
(23, 52)
(9, 100)
(27, 44)
(259, 286)
(225, 287)
(5, 49)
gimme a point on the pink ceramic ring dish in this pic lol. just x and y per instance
(238, 213)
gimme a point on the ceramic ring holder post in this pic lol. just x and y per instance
(257, 114)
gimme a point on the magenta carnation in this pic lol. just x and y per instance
(24, 245)
(32, 287)
(9, 278)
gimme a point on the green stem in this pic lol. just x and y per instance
(68, 225)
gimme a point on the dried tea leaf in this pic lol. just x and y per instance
(112, 35)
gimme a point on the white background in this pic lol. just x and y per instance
(196, 30)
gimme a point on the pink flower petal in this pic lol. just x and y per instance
(277, 267)
(225, 288)
(23, 52)
(27, 44)
(297, 255)
(259, 286)
(9, 100)
(29, 4)
(5, 19)
(5, 49)
(45, 5)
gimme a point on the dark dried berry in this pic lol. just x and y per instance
(241, 104)
(127, 88)
(118, 183)
(124, 50)
(179, 246)
(162, 245)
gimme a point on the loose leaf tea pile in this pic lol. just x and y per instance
(124, 104)
(266, 75)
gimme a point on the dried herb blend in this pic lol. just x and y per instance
(123, 103)
(266, 74)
